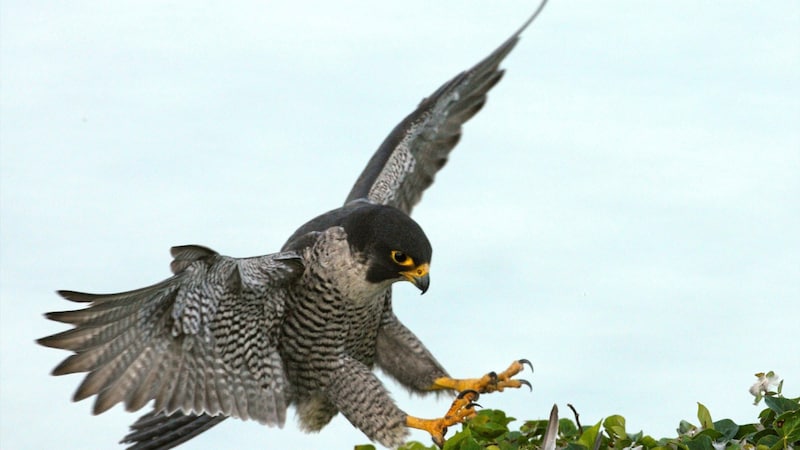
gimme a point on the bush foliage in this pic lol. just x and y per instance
(778, 427)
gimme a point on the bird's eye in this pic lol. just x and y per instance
(402, 259)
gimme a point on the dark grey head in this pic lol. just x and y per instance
(394, 245)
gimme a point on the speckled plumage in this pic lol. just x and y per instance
(248, 337)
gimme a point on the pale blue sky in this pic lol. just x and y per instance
(623, 213)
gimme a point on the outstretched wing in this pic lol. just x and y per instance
(408, 159)
(203, 341)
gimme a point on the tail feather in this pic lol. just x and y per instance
(160, 432)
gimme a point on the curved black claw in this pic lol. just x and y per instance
(526, 383)
(469, 391)
(525, 361)
(472, 405)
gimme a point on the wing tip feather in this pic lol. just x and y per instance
(75, 296)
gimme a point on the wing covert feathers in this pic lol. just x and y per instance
(203, 341)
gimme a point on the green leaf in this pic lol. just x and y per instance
(636, 436)
(733, 445)
(727, 427)
(589, 435)
(568, 429)
(490, 425)
(534, 427)
(514, 436)
(701, 442)
(685, 427)
(766, 417)
(704, 417)
(366, 447)
(788, 426)
(495, 415)
(454, 443)
(615, 420)
(781, 404)
(777, 428)
(615, 427)
(470, 444)
(761, 434)
(713, 434)
(768, 441)
(623, 443)
(746, 431)
(648, 442)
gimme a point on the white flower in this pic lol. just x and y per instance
(762, 386)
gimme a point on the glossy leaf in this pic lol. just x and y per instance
(788, 426)
(615, 426)
(727, 428)
(777, 428)
(701, 442)
(704, 417)
(780, 404)
(589, 435)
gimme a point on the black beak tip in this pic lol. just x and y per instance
(422, 283)
(418, 278)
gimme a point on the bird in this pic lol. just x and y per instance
(303, 327)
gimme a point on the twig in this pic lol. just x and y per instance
(577, 421)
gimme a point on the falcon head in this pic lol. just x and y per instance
(395, 247)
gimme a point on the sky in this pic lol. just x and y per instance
(623, 212)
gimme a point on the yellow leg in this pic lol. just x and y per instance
(490, 382)
(463, 408)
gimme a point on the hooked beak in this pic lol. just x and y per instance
(418, 276)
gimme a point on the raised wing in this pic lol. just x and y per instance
(203, 341)
(408, 159)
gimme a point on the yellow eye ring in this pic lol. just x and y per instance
(401, 259)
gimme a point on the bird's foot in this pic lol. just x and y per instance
(463, 408)
(490, 382)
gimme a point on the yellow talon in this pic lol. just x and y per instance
(463, 408)
(490, 382)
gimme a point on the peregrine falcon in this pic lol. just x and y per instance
(304, 327)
